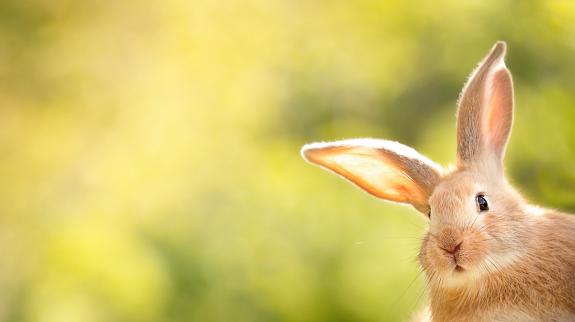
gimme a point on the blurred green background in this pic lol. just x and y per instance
(150, 149)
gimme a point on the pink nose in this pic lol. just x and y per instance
(453, 250)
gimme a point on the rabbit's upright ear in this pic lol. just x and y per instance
(385, 169)
(485, 111)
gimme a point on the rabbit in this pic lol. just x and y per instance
(487, 254)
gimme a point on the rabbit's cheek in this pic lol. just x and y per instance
(474, 249)
(427, 255)
(434, 259)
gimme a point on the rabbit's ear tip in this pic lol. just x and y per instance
(500, 47)
(303, 152)
(501, 43)
(313, 152)
(306, 151)
(497, 53)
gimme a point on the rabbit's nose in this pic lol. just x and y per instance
(453, 250)
(450, 241)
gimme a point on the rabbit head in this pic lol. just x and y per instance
(476, 220)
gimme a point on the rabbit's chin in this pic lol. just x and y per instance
(461, 276)
(456, 276)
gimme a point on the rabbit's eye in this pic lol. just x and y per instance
(429, 214)
(482, 203)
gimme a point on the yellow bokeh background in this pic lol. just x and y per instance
(149, 150)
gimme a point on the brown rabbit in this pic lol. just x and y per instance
(487, 255)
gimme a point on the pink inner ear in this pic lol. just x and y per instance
(500, 110)
(375, 170)
(375, 174)
(385, 169)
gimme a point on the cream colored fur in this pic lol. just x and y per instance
(513, 262)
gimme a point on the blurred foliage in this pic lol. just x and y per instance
(149, 150)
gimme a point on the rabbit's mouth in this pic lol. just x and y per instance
(457, 266)
(455, 253)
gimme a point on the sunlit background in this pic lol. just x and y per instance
(149, 150)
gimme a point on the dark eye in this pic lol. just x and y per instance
(482, 203)
(429, 214)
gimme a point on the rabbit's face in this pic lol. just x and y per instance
(475, 227)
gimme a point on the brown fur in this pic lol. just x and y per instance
(540, 283)
(511, 262)
(540, 287)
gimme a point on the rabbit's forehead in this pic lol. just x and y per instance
(455, 196)
(453, 190)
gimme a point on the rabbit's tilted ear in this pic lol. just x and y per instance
(485, 111)
(385, 169)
